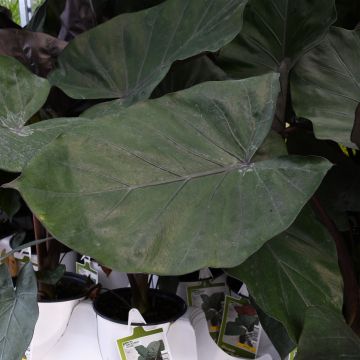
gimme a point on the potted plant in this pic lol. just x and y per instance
(220, 174)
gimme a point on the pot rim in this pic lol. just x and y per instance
(78, 297)
(180, 313)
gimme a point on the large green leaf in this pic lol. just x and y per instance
(294, 271)
(18, 147)
(21, 95)
(171, 185)
(126, 57)
(274, 31)
(326, 85)
(18, 312)
(327, 337)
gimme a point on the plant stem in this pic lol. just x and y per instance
(140, 291)
(351, 287)
(283, 102)
(41, 249)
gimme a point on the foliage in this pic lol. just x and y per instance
(19, 312)
(205, 128)
(152, 351)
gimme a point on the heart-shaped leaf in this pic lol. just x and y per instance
(21, 95)
(17, 148)
(326, 336)
(126, 57)
(174, 179)
(274, 31)
(294, 271)
(325, 85)
(18, 312)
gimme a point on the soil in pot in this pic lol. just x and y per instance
(114, 305)
(71, 286)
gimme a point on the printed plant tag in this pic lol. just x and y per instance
(210, 298)
(144, 345)
(240, 328)
(87, 270)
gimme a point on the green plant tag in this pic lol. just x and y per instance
(87, 270)
(240, 328)
(24, 256)
(144, 345)
(209, 296)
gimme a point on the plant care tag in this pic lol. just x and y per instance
(240, 328)
(144, 345)
(87, 270)
(24, 256)
(209, 296)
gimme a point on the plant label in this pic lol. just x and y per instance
(240, 328)
(210, 298)
(87, 270)
(144, 345)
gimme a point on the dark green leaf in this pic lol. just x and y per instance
(325, 85)
(327, 337)
(172, 179)
(274, 31)
(293, 271)
(126, 57)
(348, 13)
(18, 312)
(51, 277)
(9, 202)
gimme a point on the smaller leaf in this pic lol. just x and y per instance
(21, 95)
(18, 312)
(51, 277)
(326, 336)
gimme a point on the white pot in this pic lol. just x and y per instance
(51, 324)
(115, 280)
(110, 331)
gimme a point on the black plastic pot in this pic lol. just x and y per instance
(166, 307)
(71, 287)
(234, 284)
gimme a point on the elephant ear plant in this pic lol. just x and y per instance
(210, 143)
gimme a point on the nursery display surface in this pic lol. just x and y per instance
(142, 141)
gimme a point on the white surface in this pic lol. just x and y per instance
(80, 340)
(51, 325)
